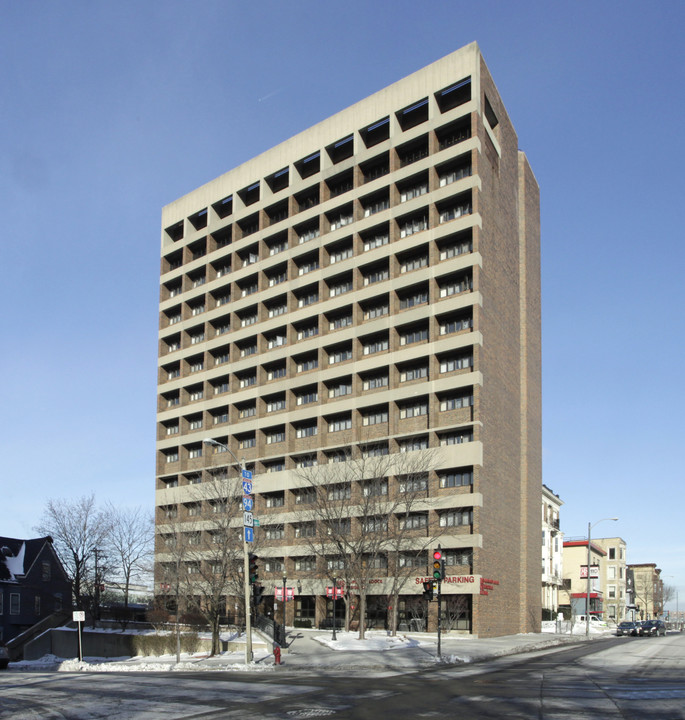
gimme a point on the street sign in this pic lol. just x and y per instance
(79, 616)
(247, 488)
(248, 503)
(247, 474)
(249, 534)
(248, 520)
(255, 522)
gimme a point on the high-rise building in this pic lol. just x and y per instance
(370, 286)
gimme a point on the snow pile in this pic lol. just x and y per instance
(379, 642)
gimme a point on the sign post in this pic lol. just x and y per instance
(78, 617)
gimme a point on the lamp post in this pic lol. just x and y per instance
(246, 564)
(284, 598)
(335, 588)
(589, 584)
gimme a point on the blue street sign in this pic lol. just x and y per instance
(247, 474)
(248, 503)
(247, 488)
(249, 534)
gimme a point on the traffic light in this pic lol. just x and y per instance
(257, 592)
(438, 565)
(253, 572)
(428, 590)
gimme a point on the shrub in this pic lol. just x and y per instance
(302, 623)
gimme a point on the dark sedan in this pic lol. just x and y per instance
(628, 628)
(652, 628)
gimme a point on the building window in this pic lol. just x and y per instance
(340, 389)
(195, 423)
(308, 396)
(377, 310)
(414, 336)
(413, 299)
(376, 275)
(172, 456)
(275, 500)
(414, 410)
(454, 248)
(248, 380)
(338, 356)
(308, 331)
(275, 405)
(453, 518)
(454, 325)
(307, 564)
(414, 483)
(453, 364)
(414, 522)
(377, 240)
(308, 364)
(339, 424)
(375, 346)
(456, 402)
(412, 560)
(275, 437)
(414, 372)
(15, 603)
(304, 431)
(195, 452)
(454, 286)
(274, 532)
(307, 529)
(415, 443)
(247, 442)
(340, 321)
(456, 438)
(374, 382)
(196, 395)
(275, 372)
(455, 478)
(375, 417)
(45, 571)
(414, 225)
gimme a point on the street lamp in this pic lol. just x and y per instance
(246, 563)
(589, 544)
(284, 589)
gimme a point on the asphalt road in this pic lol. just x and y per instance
(614, 678)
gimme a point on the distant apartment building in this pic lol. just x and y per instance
(647, 590)
(370, 287)
(573, 596)
(552, 553)
(613, 579)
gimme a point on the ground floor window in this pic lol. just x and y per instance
(456, 612)
(305, 608)
(411, 614)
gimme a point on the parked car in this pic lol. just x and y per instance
(651, 628)
(628, 628)
(4, 658)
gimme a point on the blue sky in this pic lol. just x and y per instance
(109, 111)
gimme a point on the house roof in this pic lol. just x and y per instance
(17, 556)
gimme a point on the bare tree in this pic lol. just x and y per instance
(361, 519)
(79, 530)
(130, 546)
(172, 570)
(215, 546)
